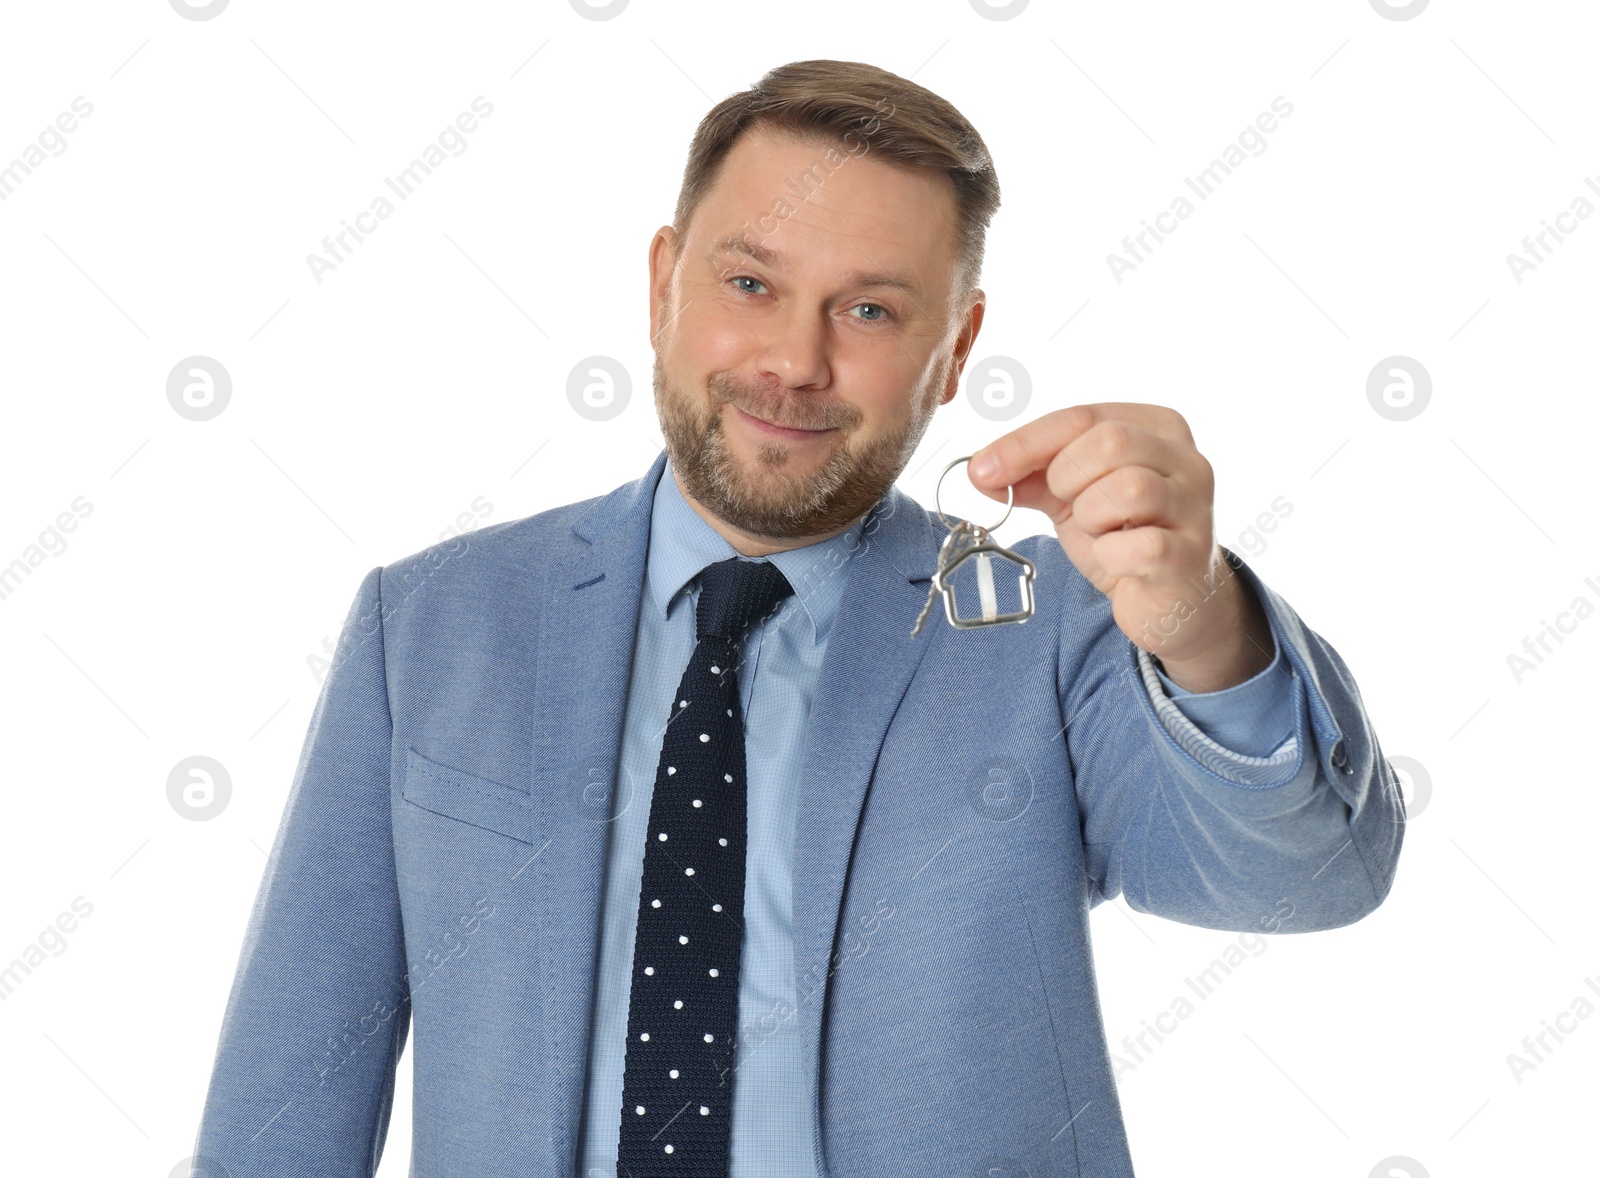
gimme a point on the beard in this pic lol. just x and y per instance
(776, 500)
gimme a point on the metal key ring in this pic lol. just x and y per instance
(1010, 497)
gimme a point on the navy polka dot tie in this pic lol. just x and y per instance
(683, 1007)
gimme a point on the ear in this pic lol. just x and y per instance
(662, 260)
(972, 322)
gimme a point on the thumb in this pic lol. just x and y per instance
(1030, 491)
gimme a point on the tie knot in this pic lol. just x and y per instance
(734, 593)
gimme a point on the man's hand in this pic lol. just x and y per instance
(1130, 497)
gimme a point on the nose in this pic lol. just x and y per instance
(795, 351)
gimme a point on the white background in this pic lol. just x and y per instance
(430, 368)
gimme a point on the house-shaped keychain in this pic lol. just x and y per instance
(984, 557)
(969, 542)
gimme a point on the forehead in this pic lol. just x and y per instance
(809, 203)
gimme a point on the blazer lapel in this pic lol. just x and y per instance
(590, 595)
(866, 669)
(590, 609)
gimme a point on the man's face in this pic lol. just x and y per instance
(806, 335)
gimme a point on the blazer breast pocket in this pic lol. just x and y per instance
(468, 798)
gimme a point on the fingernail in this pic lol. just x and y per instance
(983, 466)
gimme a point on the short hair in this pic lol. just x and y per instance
(831, 101)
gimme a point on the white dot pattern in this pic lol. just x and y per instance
(689, 893)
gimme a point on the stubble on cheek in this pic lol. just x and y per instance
(754, 486)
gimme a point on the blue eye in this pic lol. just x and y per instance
(884, 313)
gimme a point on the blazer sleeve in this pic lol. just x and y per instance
(318, 1014)
(1173, 828)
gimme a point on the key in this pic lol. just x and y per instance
(962, 537)
(966, 539)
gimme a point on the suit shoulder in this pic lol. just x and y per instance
(494, 549)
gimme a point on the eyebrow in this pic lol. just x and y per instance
(733, 243)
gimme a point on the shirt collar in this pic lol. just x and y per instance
(682, 544)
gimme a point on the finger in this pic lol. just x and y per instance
(1106, 448)
(1031, 447)
(1130, 496)
(1079, 547)
(1014, 456)
(1142, 552)
(1032, 491)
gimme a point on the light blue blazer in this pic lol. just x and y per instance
(967, 796)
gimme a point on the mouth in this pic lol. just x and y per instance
(781, 431)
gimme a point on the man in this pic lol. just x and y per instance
(679, 853)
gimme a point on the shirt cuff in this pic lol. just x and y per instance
(1243, 733)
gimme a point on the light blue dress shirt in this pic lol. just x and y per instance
(1239, 732)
